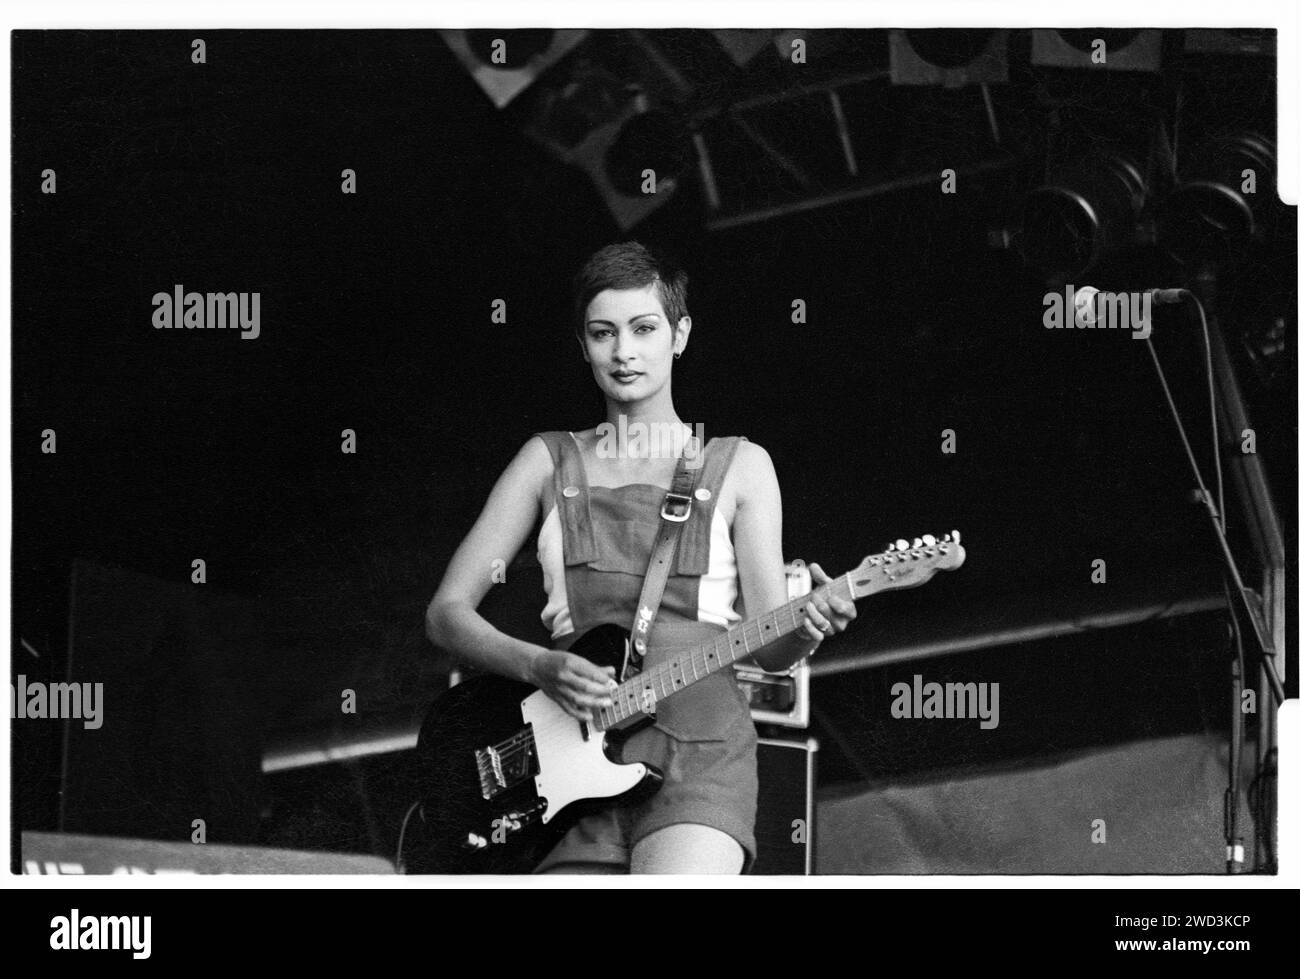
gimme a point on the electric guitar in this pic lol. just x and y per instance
(508, 771)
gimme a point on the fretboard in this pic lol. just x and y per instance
(637, 696)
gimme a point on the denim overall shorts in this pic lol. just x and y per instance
(703, 738)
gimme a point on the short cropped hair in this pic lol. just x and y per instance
(629, 265)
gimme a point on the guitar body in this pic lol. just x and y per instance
(541, 783)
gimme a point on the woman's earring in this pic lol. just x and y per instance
(677, 356)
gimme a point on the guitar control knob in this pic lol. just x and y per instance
(475, 842)
(900, 544)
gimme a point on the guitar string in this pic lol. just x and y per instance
(663, 674)
(527, 738)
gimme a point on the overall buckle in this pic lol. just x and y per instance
(680, 504)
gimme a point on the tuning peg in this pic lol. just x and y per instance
(956, 536)
(900, 544)
(928, 540)
(889, 548)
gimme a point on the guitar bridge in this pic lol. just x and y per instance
(502, 766)
(491, 776)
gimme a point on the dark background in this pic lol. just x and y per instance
(175, 445)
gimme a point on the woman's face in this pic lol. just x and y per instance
(630, 343)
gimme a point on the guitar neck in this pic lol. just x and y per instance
(900, 566)
(638, 695)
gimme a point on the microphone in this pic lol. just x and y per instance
(1166, 297)
(1085, 306)
(1085, 301)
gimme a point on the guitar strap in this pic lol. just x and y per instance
(675, 511)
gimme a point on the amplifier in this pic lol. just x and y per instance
(780, 698)
(786, 784)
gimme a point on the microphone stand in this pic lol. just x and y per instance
(1234, 849)
(1248, 598)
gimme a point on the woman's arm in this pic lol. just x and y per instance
(452, 620)
(756, 534)
(509, 514)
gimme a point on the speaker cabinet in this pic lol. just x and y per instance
(784, 829)
(182, 676)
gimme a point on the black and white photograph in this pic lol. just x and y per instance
(466, 452)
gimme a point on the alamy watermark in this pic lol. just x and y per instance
(650, 440)
(102, 931)
(181, 310)
(1088, 309)
(79, 701)
(919, 699)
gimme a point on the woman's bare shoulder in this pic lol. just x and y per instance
(526, 475)
(751, 470)
(533, 461)
(752, 458)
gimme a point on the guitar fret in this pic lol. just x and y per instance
(739, 641)
(875, 573)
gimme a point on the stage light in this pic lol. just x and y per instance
(1226, 192)
(1123, 50)
(951, 58)
(617, 152)
(654, 139)
(527, 54)
(741, 45)
(1087, 208)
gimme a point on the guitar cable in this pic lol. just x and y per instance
(401, 836)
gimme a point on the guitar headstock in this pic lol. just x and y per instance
(904, 565)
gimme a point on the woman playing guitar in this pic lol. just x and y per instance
(600, 515)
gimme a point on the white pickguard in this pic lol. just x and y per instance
(569, 767)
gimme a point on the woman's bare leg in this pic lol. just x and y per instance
(688, 848)
(585, 868)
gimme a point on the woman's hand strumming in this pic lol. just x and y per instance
(576, 684)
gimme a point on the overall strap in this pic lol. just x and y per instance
(572, 498)
(693, 555)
